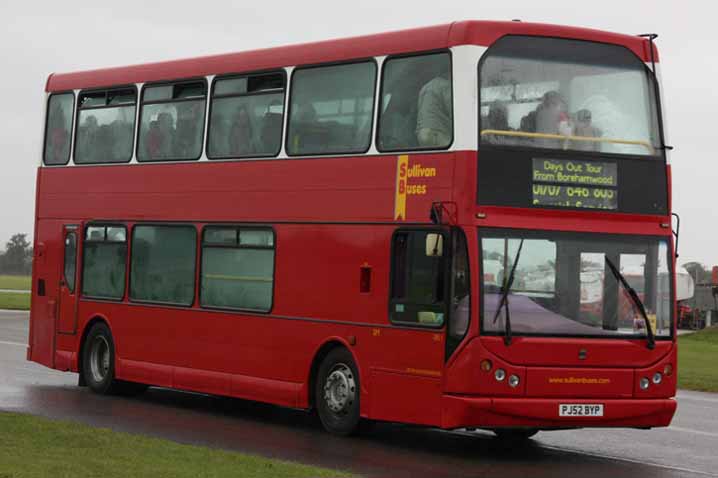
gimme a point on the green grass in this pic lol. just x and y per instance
(698, 360)
(15, 282)
(38, 447)
(14, 301)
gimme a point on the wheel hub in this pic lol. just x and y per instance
(99, 359)
(340, 389)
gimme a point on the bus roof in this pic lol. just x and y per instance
(482, 33)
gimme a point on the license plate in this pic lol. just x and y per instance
(580, 410)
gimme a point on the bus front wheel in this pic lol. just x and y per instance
(337, 393)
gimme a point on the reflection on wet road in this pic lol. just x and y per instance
(384, 450)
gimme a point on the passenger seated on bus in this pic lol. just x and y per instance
(583, 128)
(551, 118)
(87, 138)
(270, 136)
(188, 122)
(58, 146)
(307, 134)
(434, 112)
(398, 122)
(159, 137)
(497, 120)
(241, 140)
(122, 136)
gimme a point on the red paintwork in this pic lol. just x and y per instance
(482, 33)
(332, 218)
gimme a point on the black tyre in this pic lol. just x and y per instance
(98, 360)
(336, 393)
(515, 435)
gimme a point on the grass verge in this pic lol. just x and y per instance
(15, 282)
(697, 358)
(38, 447)
(14, 301)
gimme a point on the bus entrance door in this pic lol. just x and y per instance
(68, 282)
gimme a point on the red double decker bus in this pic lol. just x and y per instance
(465, 225)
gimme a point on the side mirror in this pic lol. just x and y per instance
(434, 245)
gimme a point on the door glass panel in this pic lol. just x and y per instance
(418, 279)
(70, 261)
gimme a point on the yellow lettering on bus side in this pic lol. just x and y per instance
(402, 165)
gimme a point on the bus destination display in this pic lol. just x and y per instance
(574, 184)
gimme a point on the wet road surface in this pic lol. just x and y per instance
(688, 448)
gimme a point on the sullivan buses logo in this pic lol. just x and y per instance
(405, 174)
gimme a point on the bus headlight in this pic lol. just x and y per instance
(514, 381)
(657, 378)
(500, 374)
(644, 383)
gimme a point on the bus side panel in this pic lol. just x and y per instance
(45, 291)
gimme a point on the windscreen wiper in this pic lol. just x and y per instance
(504, 301)
(636, 300)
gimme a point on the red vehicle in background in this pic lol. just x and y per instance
(392, 227)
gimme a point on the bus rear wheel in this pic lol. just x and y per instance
(337, 393)
(98, 360)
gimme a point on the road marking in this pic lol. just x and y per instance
(16, 344)
(601, 455)
(18, 313)
(696, 399)
(691, 430)
(629, 460)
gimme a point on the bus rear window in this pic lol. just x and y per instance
(58, 129)
(105, 126)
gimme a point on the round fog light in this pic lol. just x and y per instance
(514, 381)
(644, 383)
(500, 374)
(657, 377)
(486, 365)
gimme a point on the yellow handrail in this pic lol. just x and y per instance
(524, 134)
(237, 278)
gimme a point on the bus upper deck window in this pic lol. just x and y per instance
(105, 126)
(416, 103)
(58, 129)
(331, 109)
(172, 121)
(246, 116)
(563, 94)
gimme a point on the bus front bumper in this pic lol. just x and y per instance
(460, 411)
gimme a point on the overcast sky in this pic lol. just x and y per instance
(38, 38)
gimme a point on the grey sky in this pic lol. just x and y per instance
(41, 37)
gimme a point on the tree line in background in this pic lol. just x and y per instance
(17, 258)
